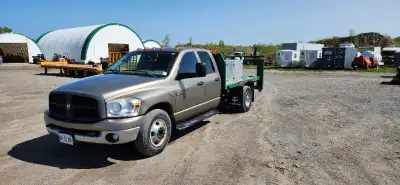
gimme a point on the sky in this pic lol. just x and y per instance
(236, 22)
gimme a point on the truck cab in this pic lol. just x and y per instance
(146, 95)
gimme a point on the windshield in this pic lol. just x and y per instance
(151, 63)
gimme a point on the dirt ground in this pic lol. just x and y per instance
(304, 128)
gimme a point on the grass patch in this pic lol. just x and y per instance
(382, 69)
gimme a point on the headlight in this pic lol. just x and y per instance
(125, 107)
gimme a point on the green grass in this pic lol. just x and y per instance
(376, 70)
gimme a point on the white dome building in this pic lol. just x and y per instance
(151, 44)
(14, 46)
(90, 43)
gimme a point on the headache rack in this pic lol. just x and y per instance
(231, 71)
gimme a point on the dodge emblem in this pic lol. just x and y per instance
(68, 106)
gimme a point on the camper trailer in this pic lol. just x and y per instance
(309, 58)
(287, 58)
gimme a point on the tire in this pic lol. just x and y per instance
(144, 142)
(70, 73)
(246, 98)
(85, 74)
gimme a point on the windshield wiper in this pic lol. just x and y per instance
(111, 71)
(146, 72)
(131, 71)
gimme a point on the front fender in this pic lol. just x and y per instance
(155, 95)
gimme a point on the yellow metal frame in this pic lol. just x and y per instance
(75, 67)
(113, 57)
(46, 63)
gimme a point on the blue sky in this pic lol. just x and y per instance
(236, 22)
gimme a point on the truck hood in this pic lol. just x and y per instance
(106, 84)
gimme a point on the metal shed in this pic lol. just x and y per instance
(15, 47)
(90, 43)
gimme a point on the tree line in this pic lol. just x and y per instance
(267, 50)
(5, 29)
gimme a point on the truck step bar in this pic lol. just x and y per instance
(188, 123)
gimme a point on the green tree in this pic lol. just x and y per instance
(397, 41)
(352, 32)
(221, 43)
(190, 40)
(166, 40)
(5, 29)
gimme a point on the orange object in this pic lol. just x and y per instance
(214, 51)
(365, 62)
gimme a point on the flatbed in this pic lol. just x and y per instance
(222, 63)
(80, 70)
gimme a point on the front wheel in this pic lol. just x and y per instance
(154, 134)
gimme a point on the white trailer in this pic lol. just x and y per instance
(287, 58)
(309, 58)
(302, 46)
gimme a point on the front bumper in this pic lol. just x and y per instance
(126, 129)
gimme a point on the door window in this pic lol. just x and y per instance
(206, 59)
(187, 67)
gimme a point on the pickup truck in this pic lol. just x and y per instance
(147, 95)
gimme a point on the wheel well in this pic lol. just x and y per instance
(166, 107)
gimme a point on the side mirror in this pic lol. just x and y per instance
(201, 69)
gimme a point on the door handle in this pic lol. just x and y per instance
(200, 83)
(217, 79)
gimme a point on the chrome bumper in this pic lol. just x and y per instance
(96, 134)
(125, 136)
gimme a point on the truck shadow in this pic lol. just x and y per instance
(393, 82)
(385, 76)
(46, 150)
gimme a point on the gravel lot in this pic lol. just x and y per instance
(304, 128)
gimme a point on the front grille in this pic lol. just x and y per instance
(73, 108)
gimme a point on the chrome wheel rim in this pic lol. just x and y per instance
(247, 99)
(158, 132)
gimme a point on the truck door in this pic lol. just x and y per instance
(190, 95)
(212, 81)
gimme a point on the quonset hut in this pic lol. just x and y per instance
(15, 47)
(151, 44)
(90, 43)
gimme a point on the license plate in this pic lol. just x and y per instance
(66, 139)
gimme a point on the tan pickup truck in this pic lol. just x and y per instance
(147, 94)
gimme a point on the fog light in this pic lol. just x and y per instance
(112, 138)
